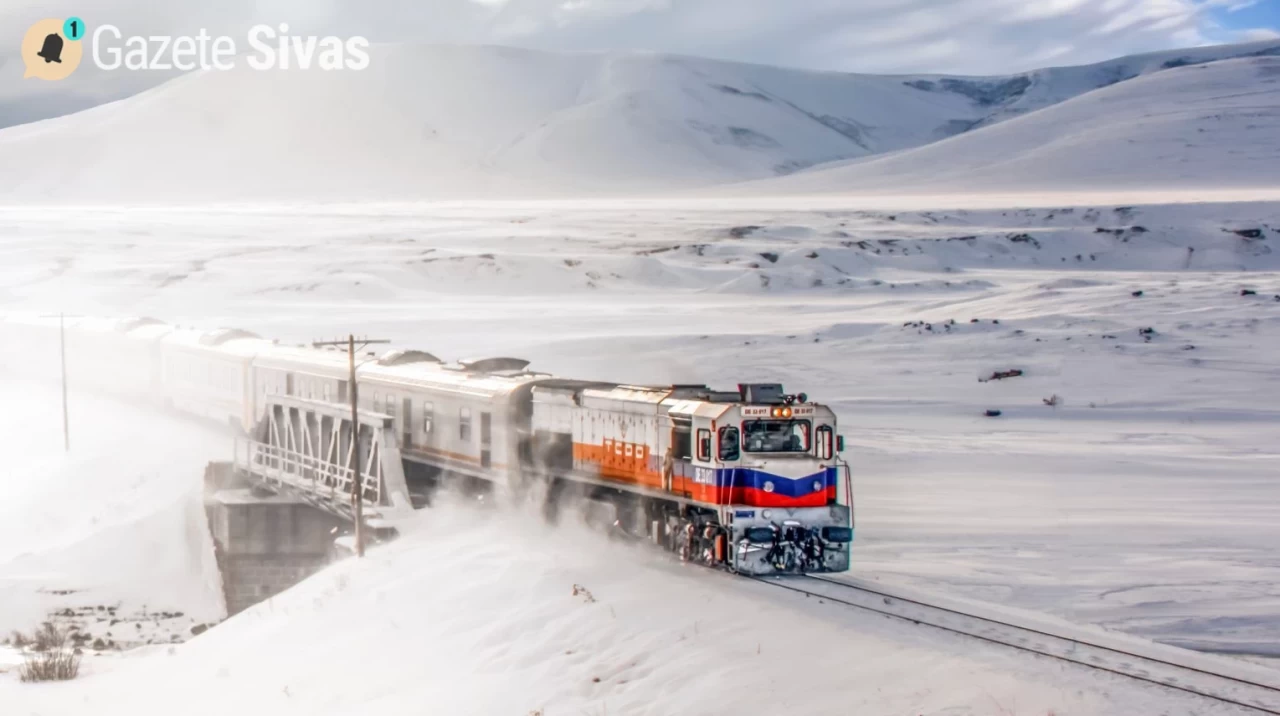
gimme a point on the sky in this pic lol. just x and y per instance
(1259, 16)
(877, 36)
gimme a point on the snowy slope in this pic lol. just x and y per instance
(1027, 92)
(106, 525)
(1215, 125)
(478, 122)
(477, 613)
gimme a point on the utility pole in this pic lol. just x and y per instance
(357, 485)
(62, 351)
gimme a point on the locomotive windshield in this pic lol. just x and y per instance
(775, 436)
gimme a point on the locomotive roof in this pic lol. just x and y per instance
(696, 408)
(658, 394)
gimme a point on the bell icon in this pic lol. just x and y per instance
(52, 50)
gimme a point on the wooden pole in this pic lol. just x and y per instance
(357, 489)
(357, 483)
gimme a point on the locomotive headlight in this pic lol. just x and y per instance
(768, 486)
(817, 485)
(766, 514)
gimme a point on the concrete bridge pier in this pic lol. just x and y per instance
(264, 542)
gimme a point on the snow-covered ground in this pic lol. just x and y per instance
(476, 613)
(114, 527)
(1145, 502)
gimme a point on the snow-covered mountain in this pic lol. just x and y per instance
(1213, 125)
(475, 122)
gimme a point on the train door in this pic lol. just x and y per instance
(486, 439)
(703, 459)
(681, 481)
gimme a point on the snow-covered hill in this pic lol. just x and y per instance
(478, 122)
(1215, 125)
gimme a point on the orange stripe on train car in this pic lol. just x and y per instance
(423, 451)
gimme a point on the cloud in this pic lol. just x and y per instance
(887, 36)
(1259, 33)
(959, 36)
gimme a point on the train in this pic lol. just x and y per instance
(751, 479)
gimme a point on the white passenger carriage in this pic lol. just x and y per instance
(299, 371)
(120, 357)
(456, 418)
(209, 373)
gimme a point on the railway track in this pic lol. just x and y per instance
(1248, 688)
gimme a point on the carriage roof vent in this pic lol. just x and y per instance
(128, 324)
(222, 335)
(493, 365)
(702, 392)
(399, 357)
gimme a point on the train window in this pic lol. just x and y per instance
(704, 445)
(681, 440)
(464, 425)
(288, 384)
(775, 436)
(825, 442)
(326, 392)
(428, 417)
(391, 405)
(729, 444)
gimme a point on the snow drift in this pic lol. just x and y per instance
(478, 122)
(474, 613)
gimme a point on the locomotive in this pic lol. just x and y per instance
(751, 480)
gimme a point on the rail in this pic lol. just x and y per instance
(1250, 692)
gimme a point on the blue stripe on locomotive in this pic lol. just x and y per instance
(752, 478)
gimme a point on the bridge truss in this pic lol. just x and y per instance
(304, 447)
